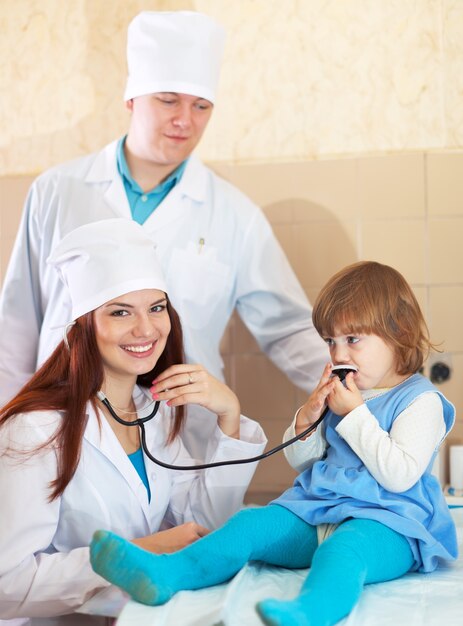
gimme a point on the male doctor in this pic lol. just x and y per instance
(216, 248)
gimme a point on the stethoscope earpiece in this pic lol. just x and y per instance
(341, 371)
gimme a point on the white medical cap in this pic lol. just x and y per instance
(178, 52)
(103, 260)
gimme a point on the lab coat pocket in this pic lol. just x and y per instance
(197, 283)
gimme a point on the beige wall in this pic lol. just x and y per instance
(405, 210)
(301, 78)
(343, 120)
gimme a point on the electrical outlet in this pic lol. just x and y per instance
(440, 367)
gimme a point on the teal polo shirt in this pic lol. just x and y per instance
(143, 204)
(139, 464)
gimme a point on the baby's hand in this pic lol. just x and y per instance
(344, 399)
(316, 403)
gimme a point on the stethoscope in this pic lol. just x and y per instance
(338, 370)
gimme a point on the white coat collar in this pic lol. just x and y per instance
(104, 170)
(104, 166)
(194, 180)
(101, 436)
(192, 184)
(183, 200)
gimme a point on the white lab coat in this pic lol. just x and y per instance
(216, 249)
(44, 564)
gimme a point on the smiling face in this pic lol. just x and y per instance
(166, 127)
(370, 354)
(131, 333)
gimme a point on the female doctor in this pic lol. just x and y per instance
(67, 467)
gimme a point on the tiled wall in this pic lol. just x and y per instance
(405, 210)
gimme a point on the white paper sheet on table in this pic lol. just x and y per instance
(416, 600)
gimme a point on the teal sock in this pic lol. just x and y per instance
(359, 552)
(272, 534)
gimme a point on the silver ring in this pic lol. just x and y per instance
(190, 379)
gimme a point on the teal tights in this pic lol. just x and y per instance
(357, 553)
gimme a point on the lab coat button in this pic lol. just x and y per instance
(144, 198)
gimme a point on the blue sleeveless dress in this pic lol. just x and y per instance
(339, 486)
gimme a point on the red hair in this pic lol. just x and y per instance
(70, 378)
(372, 298)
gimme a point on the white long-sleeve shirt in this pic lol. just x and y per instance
(396, 459)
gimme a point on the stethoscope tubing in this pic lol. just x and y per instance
(140, 422)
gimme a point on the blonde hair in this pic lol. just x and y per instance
(374, 299)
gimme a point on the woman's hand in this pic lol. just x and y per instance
(309, 413)
(192, 384)
(344, 399)
(172, 539)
